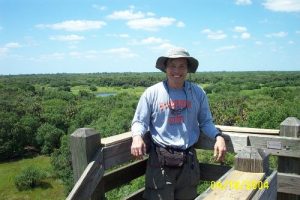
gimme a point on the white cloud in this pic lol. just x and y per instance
(280, 34)
(120, 52)
(214, 35)
(99, 7)
(148, 41)
(164, 46)
(121, 35)
(226, 48)
(150, 24)
(91, 54)
(143, 20)
(258, 43)
(180, 24)
(243, 2)
(152, 40)
(245, 35)
(74, 25)
(12, 45)
(240, 29)
(291, 42)
(150, 14)
(243, 32)
(126, 15)
(8, 46)
(67, 37)
(47, 57)
(282, 5)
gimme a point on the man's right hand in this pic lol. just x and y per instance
(138, 146)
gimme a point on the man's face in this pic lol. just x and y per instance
(176, 71)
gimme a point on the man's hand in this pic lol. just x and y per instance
(220, 149)
(138, 147)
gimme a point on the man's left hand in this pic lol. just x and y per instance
(220, 149)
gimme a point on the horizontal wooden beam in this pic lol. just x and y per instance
(124, 174)
(117, 153)
(289, 183)
(235, 142)
(276, 145)
(116, 139)
(248, 130)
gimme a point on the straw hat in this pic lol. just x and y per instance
(177, 53)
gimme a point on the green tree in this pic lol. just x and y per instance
(48, 138)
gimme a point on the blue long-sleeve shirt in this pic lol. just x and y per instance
(173, 116)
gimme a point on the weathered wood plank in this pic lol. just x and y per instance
(89, 180)
(234, 141)
(124, 174)
(117, 154)
(116, 149)
(289, 183)
(238, 189)
(116, 139)
(268, 193)
(248, 130)
(277, 145)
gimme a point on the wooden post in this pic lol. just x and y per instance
(85, 143)
(290, 127)
(251, 159)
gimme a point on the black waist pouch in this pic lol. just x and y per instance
(170, 158)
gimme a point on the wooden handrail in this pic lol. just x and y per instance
(116, 151)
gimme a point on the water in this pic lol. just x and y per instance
(106, 94)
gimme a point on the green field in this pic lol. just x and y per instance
(50, 188)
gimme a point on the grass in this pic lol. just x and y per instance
(50, 188)
(131, 90)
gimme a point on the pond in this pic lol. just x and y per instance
(106, 94)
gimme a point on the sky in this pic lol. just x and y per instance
(90, 36)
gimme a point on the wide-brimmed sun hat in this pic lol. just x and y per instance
(177, 53)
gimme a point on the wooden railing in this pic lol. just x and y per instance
(92, 156)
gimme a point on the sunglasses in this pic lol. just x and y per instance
(177, 111)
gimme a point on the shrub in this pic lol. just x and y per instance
(29, 178)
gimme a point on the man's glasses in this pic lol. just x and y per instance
(177, 111)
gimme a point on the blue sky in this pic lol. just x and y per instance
(87, 36)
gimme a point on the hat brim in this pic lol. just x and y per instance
(192, 63)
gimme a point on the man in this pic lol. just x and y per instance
(174, 110)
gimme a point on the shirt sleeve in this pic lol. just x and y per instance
(141, 119)
(205, 119)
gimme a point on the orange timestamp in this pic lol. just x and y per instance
(239, 185)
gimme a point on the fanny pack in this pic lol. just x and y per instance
(171, 157)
